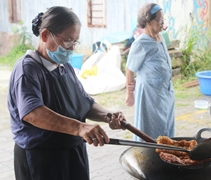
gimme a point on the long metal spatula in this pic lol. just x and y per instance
(200, 152)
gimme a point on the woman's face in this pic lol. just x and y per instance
(156, 25)
(68, 39)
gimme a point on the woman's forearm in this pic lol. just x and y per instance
(98, 113)
(47, 119)
(129, 76)
(130, 83)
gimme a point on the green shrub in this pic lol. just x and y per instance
(16, 52)
(196, 51)
(24, 36)
(22, 44)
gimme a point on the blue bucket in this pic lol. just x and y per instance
(204, 78)
(76, 60)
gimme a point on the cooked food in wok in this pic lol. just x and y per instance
(178, 157)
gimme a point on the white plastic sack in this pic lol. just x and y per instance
(101, 72)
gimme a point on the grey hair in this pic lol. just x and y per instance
(144, 15)
(56, 19)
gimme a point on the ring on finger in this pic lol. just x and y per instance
(93, 139)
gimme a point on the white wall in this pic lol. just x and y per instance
(120, 15)
(177, 14)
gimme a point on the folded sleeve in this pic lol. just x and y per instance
(26, 89)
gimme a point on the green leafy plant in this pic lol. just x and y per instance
(24, 36)
(16, 52)
(22, 44)
(196, 50)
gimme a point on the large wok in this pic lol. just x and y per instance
(144, 163)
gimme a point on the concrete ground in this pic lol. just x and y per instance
(104, 161)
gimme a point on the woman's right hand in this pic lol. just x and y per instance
(129, 99)
(93, 134)
(130, 93)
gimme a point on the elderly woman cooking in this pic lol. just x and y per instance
(48, 105)
(149, 59)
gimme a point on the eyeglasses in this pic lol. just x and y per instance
(68, 43)
(160, 21)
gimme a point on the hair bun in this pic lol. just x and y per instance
(36, 23)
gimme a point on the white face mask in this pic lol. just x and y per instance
(61, 55)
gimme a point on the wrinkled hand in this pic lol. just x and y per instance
(115, 120)
(129, 99)
(93, 134)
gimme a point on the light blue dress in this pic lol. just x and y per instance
(154, 94)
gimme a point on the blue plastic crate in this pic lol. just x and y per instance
(76, 60)
(204, 78)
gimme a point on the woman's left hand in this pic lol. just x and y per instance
(115, 120)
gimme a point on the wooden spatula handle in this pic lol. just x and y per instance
(137, 132)
(134, 130)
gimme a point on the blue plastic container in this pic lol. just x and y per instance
(76, 60)
(204, 78)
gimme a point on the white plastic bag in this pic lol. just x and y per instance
(107, 77)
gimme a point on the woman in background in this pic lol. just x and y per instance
(150, 60)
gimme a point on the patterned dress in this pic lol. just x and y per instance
(154, 94)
